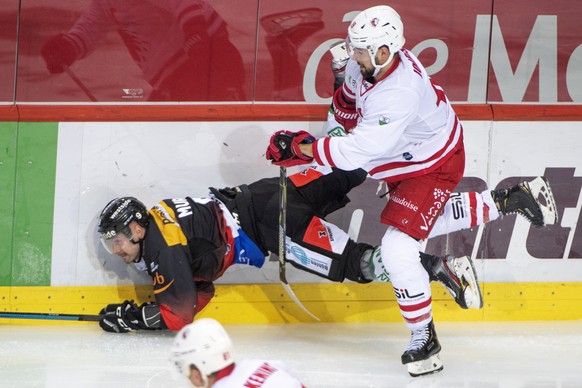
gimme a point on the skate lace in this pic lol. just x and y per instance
(418, 338)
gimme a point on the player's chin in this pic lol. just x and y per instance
(128, 259)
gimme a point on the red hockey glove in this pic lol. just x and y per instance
(344, 111)
(284, 148)
(59, 53)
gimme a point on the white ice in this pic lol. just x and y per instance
(481, 355)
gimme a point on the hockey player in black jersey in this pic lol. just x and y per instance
(185, 244)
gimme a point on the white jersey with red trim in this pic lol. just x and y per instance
(406, 125)
(259, 373)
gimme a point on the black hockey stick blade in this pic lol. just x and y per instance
(51, 316)
(282, 237)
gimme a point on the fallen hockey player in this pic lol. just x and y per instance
(191, 242)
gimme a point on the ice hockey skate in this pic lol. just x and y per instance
(533, 200)
(458, 275)
(292, 22)
(421, 357)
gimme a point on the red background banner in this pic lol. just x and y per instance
(219, 50)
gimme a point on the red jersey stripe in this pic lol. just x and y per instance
(418, 319)
(436, 155)
(473, 208)
(415, 307)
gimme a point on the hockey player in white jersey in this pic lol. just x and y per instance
(402, 130)
(203, 353)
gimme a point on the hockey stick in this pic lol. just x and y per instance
(81, 85)
(282, 237)
(282, 222)
(51, 316)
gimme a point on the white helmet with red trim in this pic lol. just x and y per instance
(373, 28)
(204, 344)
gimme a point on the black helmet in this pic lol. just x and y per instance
(118, 214)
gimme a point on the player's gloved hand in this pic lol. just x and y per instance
(284, 148)
(344, 110)
(338, 63)
(127, 316)
(59, 52)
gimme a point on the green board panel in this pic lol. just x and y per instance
(7, 181)
(34, 203)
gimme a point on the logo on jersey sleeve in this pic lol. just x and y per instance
(383, 120)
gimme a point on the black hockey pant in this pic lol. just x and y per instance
(313, 244)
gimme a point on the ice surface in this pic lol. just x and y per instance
(482, 355)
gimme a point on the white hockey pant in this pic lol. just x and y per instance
(401, 260)
(465, 210)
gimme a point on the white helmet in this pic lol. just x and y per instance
(376, 27)
(204, 344)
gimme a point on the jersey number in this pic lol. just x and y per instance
(440, 93)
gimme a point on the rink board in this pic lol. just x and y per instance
(62, 174)
(349, 302)
(150, 160)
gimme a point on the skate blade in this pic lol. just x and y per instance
(433, 364)
(540, 187)
(465, 270)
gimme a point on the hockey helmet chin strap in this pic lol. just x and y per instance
(139, 257)
(377, 67)
(372, 53)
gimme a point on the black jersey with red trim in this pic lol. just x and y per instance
(186, 247)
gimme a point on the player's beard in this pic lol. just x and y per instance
(367, 72)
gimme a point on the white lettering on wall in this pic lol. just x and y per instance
(489, 51)
(541, 51)
(574, 75)
(442, 54)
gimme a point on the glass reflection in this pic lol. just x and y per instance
(181, 47)
(285, 32)
(8, 19)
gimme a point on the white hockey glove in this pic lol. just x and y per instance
(338, 63)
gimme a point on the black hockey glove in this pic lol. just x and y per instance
(59, 52)
(127, 316)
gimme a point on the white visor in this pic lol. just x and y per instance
(115, 241)
(357, 53)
